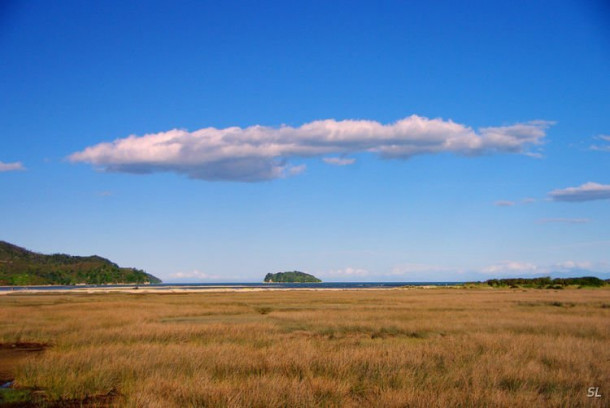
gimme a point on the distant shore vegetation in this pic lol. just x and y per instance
(20, 267)
(547, 283)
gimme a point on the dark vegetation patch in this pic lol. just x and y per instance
(548, 303)
(562, 304)
(341, 332)
(236, 318)
(31, 398)
(547, 283)
(392, 332)
(511, 384)
(22, 345)
(263, 310)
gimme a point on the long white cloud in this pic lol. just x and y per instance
(16, 166)
(569, 267)
(348, 272)
(193, 275)
(259, 153)
(586, 192)
(507, 269)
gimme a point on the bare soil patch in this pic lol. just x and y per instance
(11, 354)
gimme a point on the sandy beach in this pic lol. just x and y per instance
(184, 290)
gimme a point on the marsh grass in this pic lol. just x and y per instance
(387, 348)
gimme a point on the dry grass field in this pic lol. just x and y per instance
(378, 348)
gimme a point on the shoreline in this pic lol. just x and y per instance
(207, 289)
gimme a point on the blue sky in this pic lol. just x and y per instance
(395, 141)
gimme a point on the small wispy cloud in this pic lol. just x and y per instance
(510, 203)
(347, 272)
(535, 155)
(294, 170)
(417, 268)
(605, 143)
(586, 192)
(563, 220)
(15, 166)
(511, 267)
(504, 203)
(193, 275)
(569, 265)
(105, 193)
(413, 272)
(339, 161)
(259, 153)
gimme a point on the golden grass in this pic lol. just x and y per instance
(385, 348)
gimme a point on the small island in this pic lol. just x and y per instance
(291, 277)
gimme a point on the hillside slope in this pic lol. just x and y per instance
(18, 266)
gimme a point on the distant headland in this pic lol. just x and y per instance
(291, 277)
(20, 267)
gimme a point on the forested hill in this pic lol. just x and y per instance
(291, 277)
(18, 266)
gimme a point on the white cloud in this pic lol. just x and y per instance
(535, 155)
(416, 268)
(193, 275)
(408, 272)
(569, 265)
(259, 153)
(564, 220)
(339, 161)
(528, 200)
(511, 267)
(16, 166)
(503, 269)
(411, 272)
(347, 272)
(294, 170)
(564, 268)
(504, 203)
(586, 192)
